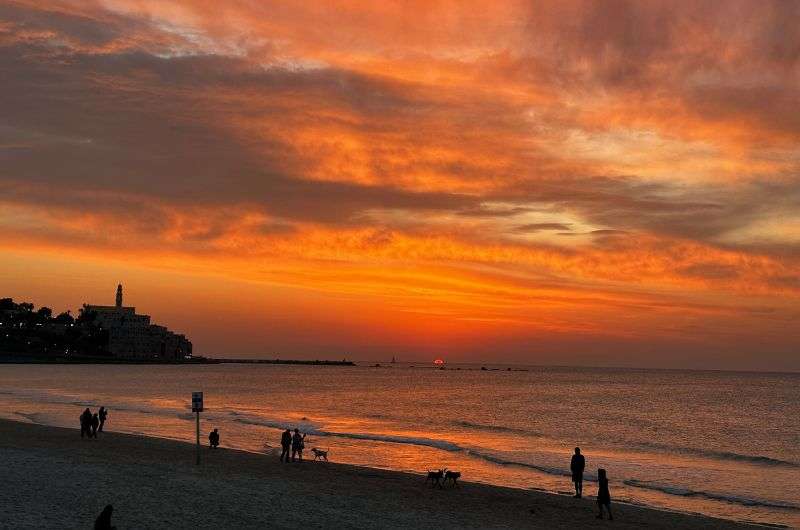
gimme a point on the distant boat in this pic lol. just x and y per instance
(393, 360)
(438, 361)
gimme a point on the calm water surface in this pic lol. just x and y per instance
(719, 443)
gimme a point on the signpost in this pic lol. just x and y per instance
(197, 408)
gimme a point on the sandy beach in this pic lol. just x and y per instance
(54, 479)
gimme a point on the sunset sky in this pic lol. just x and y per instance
(602, 183)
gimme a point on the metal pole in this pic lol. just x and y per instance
(198, 437)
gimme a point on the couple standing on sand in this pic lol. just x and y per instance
(91, 424)
(577, 465)
(296, 442)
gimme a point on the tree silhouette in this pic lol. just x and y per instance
(86, 315)
(65, 318)
(8, 304)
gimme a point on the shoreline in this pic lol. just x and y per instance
(234, 488)
(21, 358)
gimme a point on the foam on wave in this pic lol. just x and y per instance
(721, 455)
(493, 428)
(733, 499)
(559, 472)
(411, 440)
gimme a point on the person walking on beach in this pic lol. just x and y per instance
(213, 439)
(298, 442)
(603, 495)
(286, 444)
(95, 422)
(86, 423)
(577, 465)
(103, 521)
(103, 414)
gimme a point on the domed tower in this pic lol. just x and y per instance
(119, 295)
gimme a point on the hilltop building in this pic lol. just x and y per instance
(133, 336)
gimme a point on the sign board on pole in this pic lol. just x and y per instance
(197, 402)
(197, 408)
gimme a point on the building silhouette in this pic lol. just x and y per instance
(133, 336)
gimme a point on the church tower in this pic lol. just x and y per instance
(119, 295)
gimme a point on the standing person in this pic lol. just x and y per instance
(213, 439)
(577, 465)
(103, 521)
(298, 442)
(603, 495)
(95, 424)
(286, 444)
(86, 423)
(103, 414)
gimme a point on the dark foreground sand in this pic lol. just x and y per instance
(51, 478)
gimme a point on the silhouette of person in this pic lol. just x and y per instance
(103, 521)
(95, 423)
(298, 442)
(286, 444)
(603, 495)
(86, 423)
(577, 465)
(213, 439)
(103, 414)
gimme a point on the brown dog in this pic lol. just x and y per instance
(319, 454)
(435, 478)
(453, 477)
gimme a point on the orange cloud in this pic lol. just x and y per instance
(584, 176)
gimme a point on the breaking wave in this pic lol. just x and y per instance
(32, 417)
(411, 440)
(313, 429)
(41, 397)
(733, 499)
(271, 423)
(493, 428)
(559, 472)
(720, 455)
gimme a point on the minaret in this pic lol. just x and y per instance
(119, 296)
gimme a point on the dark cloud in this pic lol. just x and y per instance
(483, 211)
(61, 24)
(732, 62)
(538, 227)
(699, 212)
(141, 122)
(710, 271)
(274, 228)
(608, 232)
(62, 29)
(764, 106)
(786, 282)
(141, 125)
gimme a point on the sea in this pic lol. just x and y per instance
(725, 444)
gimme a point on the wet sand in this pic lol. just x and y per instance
(54, 479)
